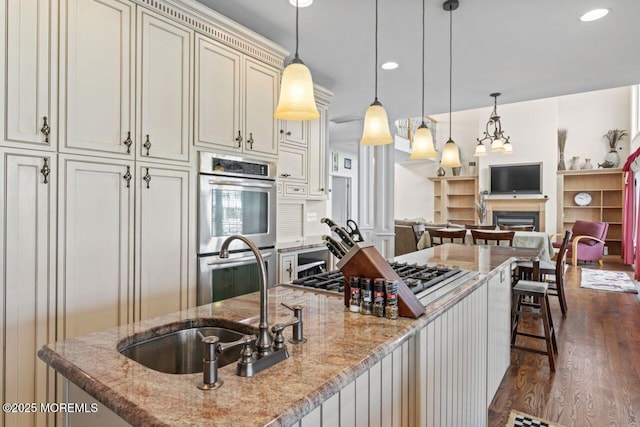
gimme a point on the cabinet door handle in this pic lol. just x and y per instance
(147, 177)
(128, 142)
(45, 170)
(250, 141)
(147, 145)
(127, 176)
(285, 175)
(290, 270)
(239, 139)
(45, 129)
(282, 132)
(322, 189)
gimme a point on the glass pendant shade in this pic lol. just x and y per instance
(450, 155)
(496, 146)
(423, 144)
(297, 101)
(507, 148)
(481, 150)
(376, 126)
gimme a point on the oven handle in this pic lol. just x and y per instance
(241, 184)
(230, 262)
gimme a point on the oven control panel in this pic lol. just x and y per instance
(216, 164)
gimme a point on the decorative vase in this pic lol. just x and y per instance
(456, 171)
(440, 171)
(575, 163)
(587, 164)
(613, 157)
(561, 165)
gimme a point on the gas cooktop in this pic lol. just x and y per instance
(421, 279)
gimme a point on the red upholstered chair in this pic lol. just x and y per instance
(587, 243)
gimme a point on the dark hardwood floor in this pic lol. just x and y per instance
(597, 378)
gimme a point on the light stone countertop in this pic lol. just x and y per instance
(341, 345)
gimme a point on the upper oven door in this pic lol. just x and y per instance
(229, 206)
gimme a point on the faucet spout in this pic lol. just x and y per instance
(264, 342)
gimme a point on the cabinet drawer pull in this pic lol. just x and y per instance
(128, 142)
(45, 129)
(239, 139)
(250, 141)
(296, 189)
(147, 177)
(147, 145)
(45, 170)
(127, 176)
(285, 175)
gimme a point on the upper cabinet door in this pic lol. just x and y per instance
(164, 84)
(96, 102)
(30, 74)
(217, 91)
(260, 101)
(95, 230)
(294, 132)
(317, 155)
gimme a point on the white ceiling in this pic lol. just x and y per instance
(526, 49)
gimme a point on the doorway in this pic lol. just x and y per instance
(341, 199)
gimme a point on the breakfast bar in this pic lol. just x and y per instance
(442, 368)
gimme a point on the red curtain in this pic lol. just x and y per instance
(628, 216)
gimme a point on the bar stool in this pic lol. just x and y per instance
(537, 308)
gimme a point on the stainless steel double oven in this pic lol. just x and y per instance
(237, 196)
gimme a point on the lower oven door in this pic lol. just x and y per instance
(219, 278)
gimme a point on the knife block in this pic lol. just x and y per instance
(364, 260)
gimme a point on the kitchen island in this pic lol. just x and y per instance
(433, 370)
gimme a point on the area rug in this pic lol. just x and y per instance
(520, 419)
(603, 280)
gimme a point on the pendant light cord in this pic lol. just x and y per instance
(297, 9)
(450, 64)
(376, 55)
(423, 25)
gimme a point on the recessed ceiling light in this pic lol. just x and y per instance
(301, 3)
(594, 14)
(389, 65)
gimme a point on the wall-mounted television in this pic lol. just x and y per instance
(524, 178)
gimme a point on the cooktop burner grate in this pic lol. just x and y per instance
(417, 277)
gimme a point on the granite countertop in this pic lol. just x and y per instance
(341, 345)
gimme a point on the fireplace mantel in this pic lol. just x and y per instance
(518, 204)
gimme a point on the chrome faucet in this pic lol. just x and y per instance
(264, 342)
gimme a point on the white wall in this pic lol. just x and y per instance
(532, 126)
(350, 173)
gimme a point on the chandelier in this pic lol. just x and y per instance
(494, 133)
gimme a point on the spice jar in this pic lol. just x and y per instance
(354, 303)
(366, 290)
(378, 297)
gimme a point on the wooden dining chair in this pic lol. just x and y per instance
(517, 227)
(438, 237)
(479, 227)
(552, 268)
(485, 237)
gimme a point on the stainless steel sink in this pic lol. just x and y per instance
(181, 351)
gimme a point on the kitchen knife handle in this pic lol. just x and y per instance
(344, 236)
(328, 221)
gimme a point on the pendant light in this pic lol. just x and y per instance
(376, 124)
(493, 132)
(297, 101)
(450, 154)
(423, 139)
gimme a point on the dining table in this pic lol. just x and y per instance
(521, 239)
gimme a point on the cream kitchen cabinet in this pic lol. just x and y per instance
(317, 157)
(295, 132)
(236, 97)
(29, 73)
(292, 164)
(97, 85)
(287, 268)
(95, 249)
(498, 329)
(164, 237)
(28, 255)
(163, 88)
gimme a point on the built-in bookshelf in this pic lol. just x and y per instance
(606, 188)
(454, 199)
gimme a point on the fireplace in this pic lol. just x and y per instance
(517, 218)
